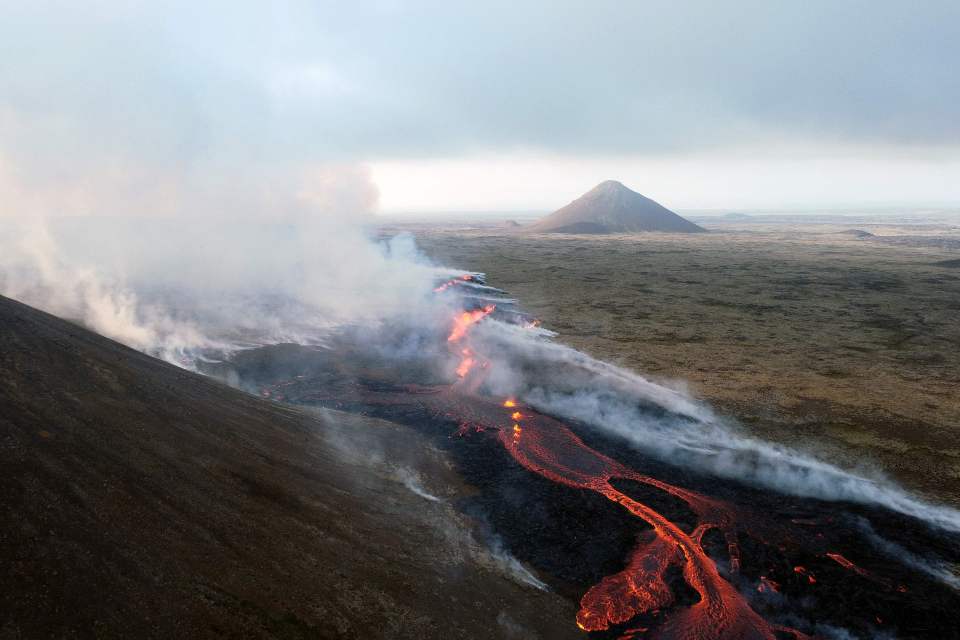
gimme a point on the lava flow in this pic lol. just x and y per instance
(683, 565)
(549, 448)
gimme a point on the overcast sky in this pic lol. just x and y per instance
(478, 105)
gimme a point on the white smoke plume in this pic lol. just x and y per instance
(178, 287)
(673, 427)
(34, 271)
(935, 568)
(151, 189)
(510, 566)
(412, 481)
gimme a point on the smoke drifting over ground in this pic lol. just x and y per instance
(672, 426)
(178, 288)
(34, 270)
(201, 291)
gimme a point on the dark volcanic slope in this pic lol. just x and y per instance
(611, 207)
(140, 500)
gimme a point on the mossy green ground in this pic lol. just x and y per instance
(808, 336)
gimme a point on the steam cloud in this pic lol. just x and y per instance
(673, 427)
(180, 288)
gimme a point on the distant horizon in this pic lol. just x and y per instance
(842, 209)
(320, 108)
(809, 178)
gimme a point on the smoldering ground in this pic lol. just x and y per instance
(423, 471)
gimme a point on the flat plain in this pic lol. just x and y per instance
(812, 335)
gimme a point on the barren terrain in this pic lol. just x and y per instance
(809, 335)
(141, 500)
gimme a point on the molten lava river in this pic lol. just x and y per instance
(769, 568)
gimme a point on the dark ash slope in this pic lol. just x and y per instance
(140, 500)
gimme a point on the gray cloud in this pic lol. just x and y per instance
(129, 91)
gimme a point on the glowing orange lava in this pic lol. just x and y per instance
(803, 571)
(550, 449)
(466, 363)
(465, 320)
(461, 325)
(449, 283)
(767, 585)
(840, 560)
(846, 564)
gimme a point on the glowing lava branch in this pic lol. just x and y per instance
(552, 450)
(449, 283)
(804, 572)
(467, 319)
(468, 358)
(466, 362)
(768, 586)
(641, 587)
(846, 564)
(461, 324)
